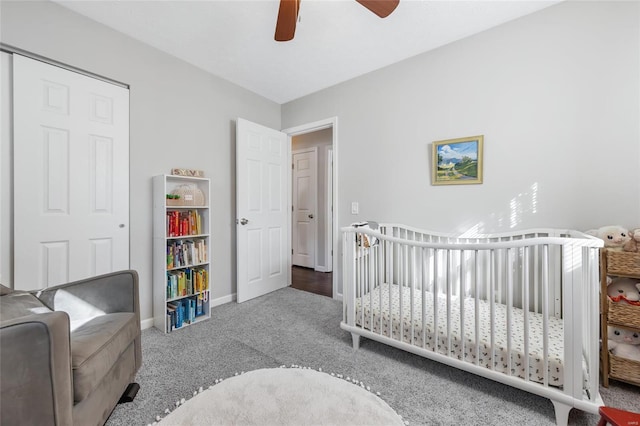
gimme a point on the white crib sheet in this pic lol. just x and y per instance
(536, 362)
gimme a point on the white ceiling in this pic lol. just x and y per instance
(335, 40)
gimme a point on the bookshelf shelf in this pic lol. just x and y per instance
(194, 265)
(187, 237)
(173, 299)
(181, 252)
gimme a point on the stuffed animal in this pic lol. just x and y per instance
(625, 290)
(624, 343)
(614, 236)
(633, 245)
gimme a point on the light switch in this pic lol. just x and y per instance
(355, 208)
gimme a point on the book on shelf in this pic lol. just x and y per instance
(185, 311)
(199, 306)
(187, 282)
(184, 253)
(183, 223)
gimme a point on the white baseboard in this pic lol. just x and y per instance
(148, 323)
(222, 300)
(321, 269)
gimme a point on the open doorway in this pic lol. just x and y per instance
(313, 203)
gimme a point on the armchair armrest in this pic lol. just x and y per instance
(95, 296)
(35, 366)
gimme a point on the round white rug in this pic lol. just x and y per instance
(284, 396)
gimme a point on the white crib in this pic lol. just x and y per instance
(519, 308)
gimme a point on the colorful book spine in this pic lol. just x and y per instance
(184, 223)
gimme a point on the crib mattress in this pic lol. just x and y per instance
(384, 316)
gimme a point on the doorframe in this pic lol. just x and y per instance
(328, 249)
(302, 129)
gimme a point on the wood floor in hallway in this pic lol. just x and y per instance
(309, 280)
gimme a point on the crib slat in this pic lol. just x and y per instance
(382, 280)
(545, 313)
(359, 274)
(536, 279)
(401, 287)
(448, 298)
(390, 265)
(509, 291)
(525, 310)
(592, 262)
(462, 296)
(498, 282)
(348, 263)
(477, 306)
(423, 272)
(372, 282)
(436, 271)
(492, 310)
(412, 283)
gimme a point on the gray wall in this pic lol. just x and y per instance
(556, 95)
(175, 108)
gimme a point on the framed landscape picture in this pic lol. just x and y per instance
(457, 161)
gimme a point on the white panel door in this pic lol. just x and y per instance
(262, 161)
(305, 207)
(71, 175)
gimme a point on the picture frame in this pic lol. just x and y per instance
(457, 161)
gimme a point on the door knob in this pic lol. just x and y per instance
(244, 221)
(311, 216)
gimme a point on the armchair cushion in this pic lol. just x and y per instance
(19, 304)
(96, 346)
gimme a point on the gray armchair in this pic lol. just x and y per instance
(67, 353)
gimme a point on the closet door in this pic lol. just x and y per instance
(71, 175)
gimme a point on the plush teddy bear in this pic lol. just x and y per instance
(624, 290)
(614, 236)
(624, 343)
(633, 245)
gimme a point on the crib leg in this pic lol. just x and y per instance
(356, 341)
(562, 413)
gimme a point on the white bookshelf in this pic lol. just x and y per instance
(181, 252)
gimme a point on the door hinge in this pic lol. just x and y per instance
(291, 251)
(291, 208)
(293, 166)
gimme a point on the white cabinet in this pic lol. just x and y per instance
(181, 251)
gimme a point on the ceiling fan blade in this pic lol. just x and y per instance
(287, 18)
(382, 8)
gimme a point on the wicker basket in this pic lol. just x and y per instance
(621, 313)
(190, 195)
(623, 263)
(624, 369)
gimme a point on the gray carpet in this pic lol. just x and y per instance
(294, 327)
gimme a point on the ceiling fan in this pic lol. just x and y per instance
(288, 15)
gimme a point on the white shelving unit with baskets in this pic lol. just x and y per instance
(181, 251)
(618, 314)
